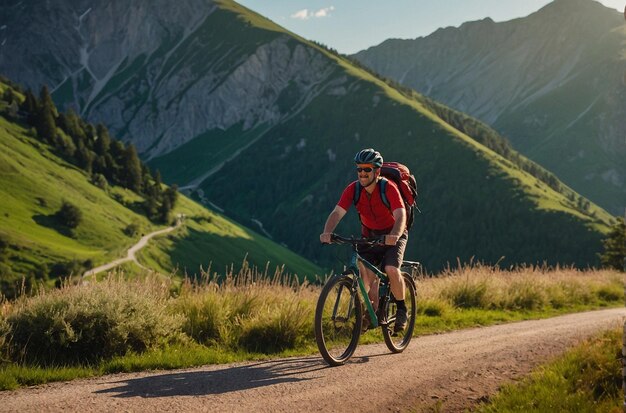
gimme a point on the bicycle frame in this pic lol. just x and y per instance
(354, 260)
(354, 267)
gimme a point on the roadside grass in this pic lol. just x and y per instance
(153, 322)
(588, 378)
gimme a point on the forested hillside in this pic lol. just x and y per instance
(68, 202)
(262, 124)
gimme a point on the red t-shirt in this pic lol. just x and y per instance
(374, 214)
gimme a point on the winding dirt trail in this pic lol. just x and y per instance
(130, 255)
(451, 371)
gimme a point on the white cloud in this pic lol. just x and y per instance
(324, 12)
(306, 14)
(301, 14)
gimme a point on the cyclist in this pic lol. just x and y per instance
(376, 220)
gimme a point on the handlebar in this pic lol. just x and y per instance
(338, 239)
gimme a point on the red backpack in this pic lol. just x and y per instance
(401, 175)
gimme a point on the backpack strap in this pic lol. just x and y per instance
(357, 192)
(382, 187)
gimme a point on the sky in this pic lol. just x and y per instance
(349, 26)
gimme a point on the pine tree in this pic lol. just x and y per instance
(45, 123)
(131, 169)
(164, 210)
(615, 247)
(157, 188)
(84, 158)
(71, 125)
(103, 140)
(171, 194)
(150, 206)
(29, 107)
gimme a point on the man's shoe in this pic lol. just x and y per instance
(401, 320)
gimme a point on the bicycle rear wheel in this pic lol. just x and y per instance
(397, 342)
(338, 319)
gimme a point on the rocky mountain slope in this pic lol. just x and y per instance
(36, 246)
(552, 82)
(263, 125)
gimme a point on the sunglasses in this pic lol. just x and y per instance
(367, 169)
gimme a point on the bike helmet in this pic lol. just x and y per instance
(369, 155)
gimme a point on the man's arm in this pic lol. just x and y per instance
(399, 215)
(331, 223)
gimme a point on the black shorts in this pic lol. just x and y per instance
(384, 255)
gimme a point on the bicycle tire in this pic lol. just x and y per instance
(398, 342)
(338, 318)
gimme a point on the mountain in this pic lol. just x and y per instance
(552, 82)
(35, 180)
(263, 125)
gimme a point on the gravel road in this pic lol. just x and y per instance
(451, 371)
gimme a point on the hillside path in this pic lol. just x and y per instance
(451, 371)
(130, 256)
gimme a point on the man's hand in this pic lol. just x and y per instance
(391, 239)
(325, 238)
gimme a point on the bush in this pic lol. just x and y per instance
(526, 294)
(283, 327)
(5, 338)
(611, 293)
(132, 229)
(86, 323)
(4, 247)
(69, 215)
(465, 292)
(66, 269)
(206, 317)
(100, 181)
(433, 308)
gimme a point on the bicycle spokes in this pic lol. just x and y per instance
(395, 338)
(338, 320)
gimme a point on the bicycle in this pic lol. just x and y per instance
(339, 312)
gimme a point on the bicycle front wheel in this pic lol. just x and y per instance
(397, 341)
(338, 320)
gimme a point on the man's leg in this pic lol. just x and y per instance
(371, 284)
(396, 280)
(398, 289)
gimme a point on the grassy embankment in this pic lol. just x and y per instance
(148, 323)
(588, 378)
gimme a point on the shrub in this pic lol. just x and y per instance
(433, 308)
(611, 293)
(100, 181)
(4, 247)
(5, 338)
(85, 323)
(525, 294)
(66, 269)
(465, 292)
(69, 215)
(206, 316)
(278, 328)
(132, 229)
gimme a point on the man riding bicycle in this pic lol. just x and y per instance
(376, 220)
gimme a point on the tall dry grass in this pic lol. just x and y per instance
(84, 323)
(521, 288)
(250, 310)
(254, 310)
